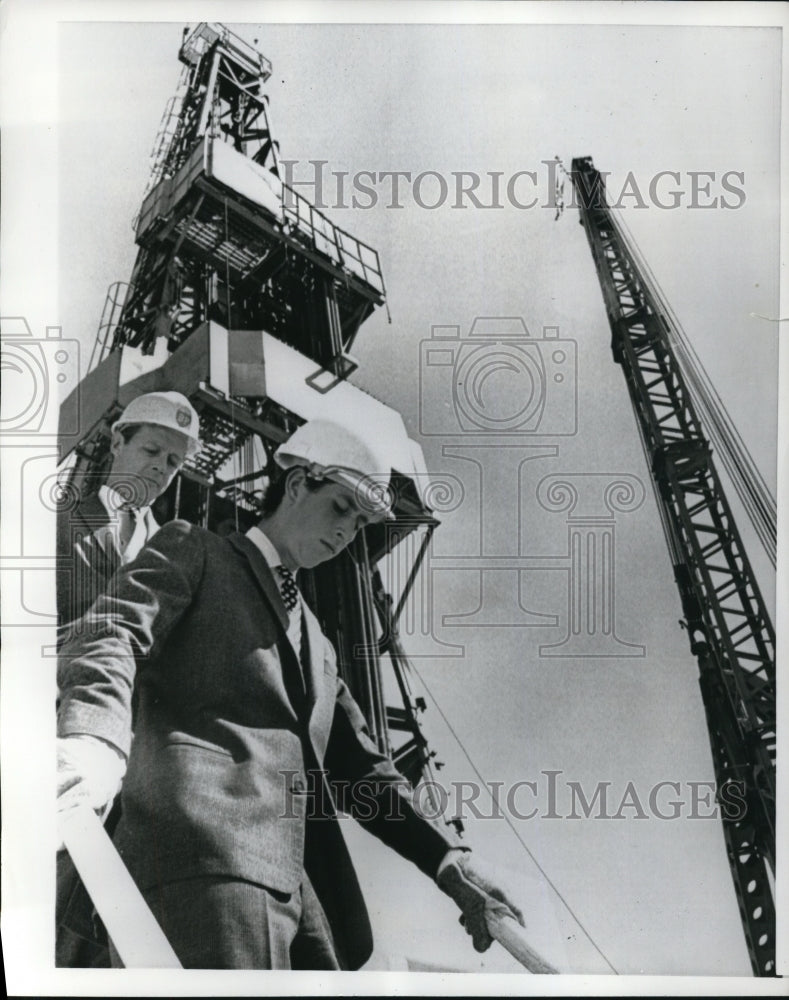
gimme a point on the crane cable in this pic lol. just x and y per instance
(707, 395)
(746, 478)
(228, 306)
(511, 825)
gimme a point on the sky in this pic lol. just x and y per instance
(654, 895)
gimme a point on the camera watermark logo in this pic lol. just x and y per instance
(501, 402)
(592, 501)
(37, 373)
(497, 380)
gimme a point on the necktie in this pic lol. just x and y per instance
(288, 588)
(130, 524)
(290, 598)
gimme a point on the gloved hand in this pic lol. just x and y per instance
(90, 772)
(474, 887)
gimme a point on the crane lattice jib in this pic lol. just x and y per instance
(729, 627)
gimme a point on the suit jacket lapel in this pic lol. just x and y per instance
(263, 574)
(151, 524)
(312, 658)
(314, 662)
(96, 522)
(312, 636)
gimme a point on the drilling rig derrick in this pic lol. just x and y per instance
(247, 299)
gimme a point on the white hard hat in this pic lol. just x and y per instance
(329, 450)
(165, 409)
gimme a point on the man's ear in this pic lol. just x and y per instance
(116, 442)
(295, 483)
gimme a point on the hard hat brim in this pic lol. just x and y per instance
(370, 495)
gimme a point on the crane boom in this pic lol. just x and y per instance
(730, 630)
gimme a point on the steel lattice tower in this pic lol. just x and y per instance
(256, 298)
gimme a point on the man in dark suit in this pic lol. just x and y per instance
(102, 532)
(241, 725)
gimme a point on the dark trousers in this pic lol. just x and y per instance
(219, 923)
(80, 939)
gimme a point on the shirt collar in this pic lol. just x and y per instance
(113, 501)
(266, 547)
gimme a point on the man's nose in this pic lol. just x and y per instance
(345, 531)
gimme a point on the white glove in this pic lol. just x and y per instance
(475, 888)
(90, 772)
